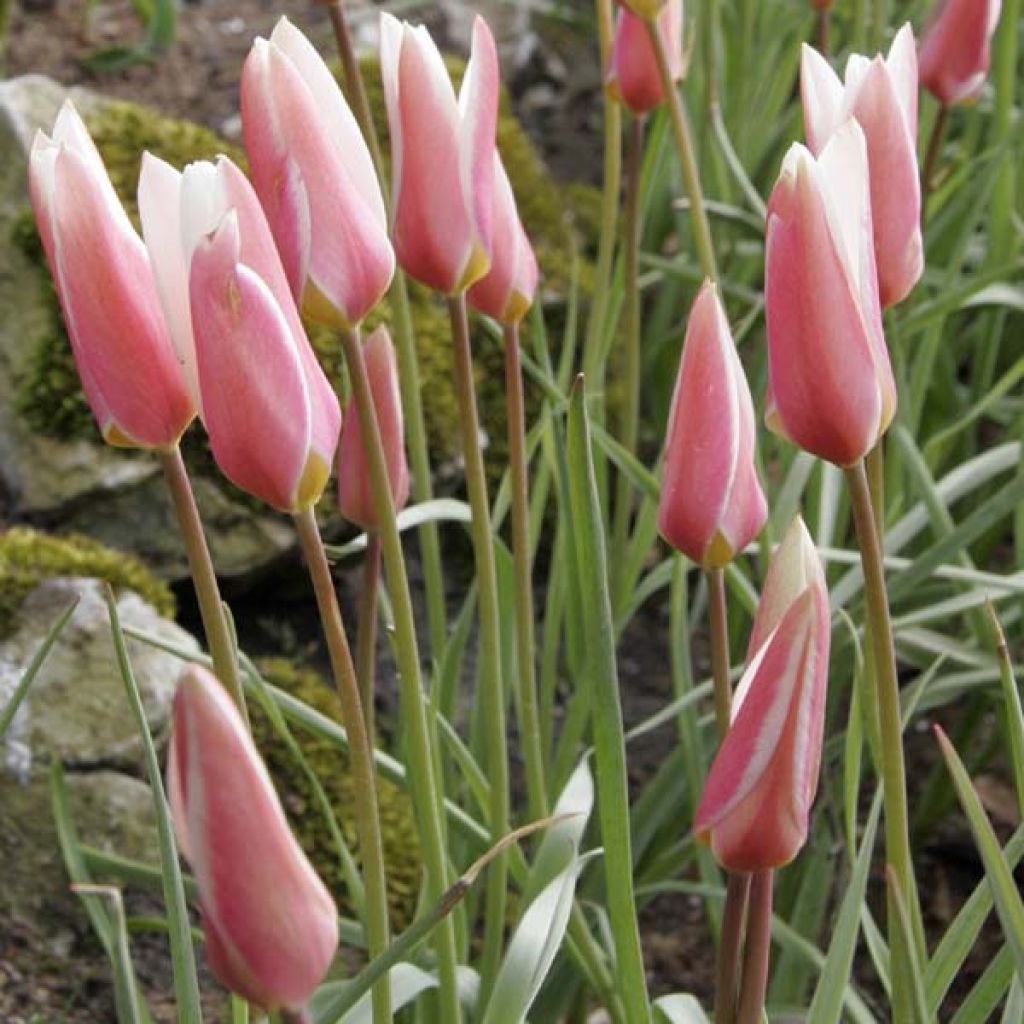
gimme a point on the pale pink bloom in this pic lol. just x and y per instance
(632, 76)
(882, 95)
(506, 291)
(270, 925)
(956, 49)
(127, 364)
(756, 803)
(442, 155)
(355, 495)
(830, 384)
(316, 179)
(711, 504)
(272, 416)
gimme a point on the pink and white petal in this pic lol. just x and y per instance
(392, 35)
(902, 66)
(821, 95)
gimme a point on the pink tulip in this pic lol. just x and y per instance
(756, 802)
(442, 155)
(506, 291)
(271, 926)
(315, 178)
(104, 281)
(956, 48)
(830, 385)
(355, 496)
(632, 76)
(711, 503)
(271, 414)
(882, 96)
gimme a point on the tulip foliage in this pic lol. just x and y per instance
(815, 531)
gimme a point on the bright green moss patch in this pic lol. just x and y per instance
(27, 557)
(401, 845)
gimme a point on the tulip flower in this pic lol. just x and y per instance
(756, 802)
(355, 496)
(882, 95)
(830, 384)
(272, 416)
(270, 925)
(442, 155)
(711, 504)
(956, 49)
(316, 179)
(122, 348)
(632, 76)
(506, 292)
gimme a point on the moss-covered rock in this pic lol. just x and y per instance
(401, 845)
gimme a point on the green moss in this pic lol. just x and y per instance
(401, 845)
(28, 557)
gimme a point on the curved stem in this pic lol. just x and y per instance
(371, 848)
(491, 692)
(366, 629)
(758, 948)
(727, 968)
(529, 725)
(687, 159)
(419, 757)
(719, 616)
(934, 149)
(200, 564)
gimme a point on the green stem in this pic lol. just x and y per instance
(734, 917)
(934, 149)
(879, 19)
(631, 337)
(758, 948)
(529, 724)
(371, 848)
(211, 609)
(366, 630)
(687, 159)
(419, 758)
(1002, 233)
(719, 619)
(894, 786)
(491, 693)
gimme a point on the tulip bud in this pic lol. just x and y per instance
(124, 354)
(632, 76)
(506, 291)
(442, 155)
(956, 49)
(711, 503)
(272, 416)
(355, 495)
(270, 925)
(830, 384)
(882, 96)
(315, 178)
(757, 800)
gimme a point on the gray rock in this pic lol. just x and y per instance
(114, 495)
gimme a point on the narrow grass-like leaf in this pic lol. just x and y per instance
(437, 510)
(1012, 713)
(906, 940)
(679, 1008)
(984, 998)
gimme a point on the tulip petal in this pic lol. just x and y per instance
(821, 95)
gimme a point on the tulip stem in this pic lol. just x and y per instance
(366, 629)
(894, 786)
(822, 31)
(631, 341)
(529, 724)
(687, 159)
(491, 690)
(211, 608)
(371, 848)
(758, 948)
(719, 617)
(419, 757)
(734, 917)
(935, 141)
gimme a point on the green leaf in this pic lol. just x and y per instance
(988, 991)
(438, 510)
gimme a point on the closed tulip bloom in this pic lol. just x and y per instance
(830, 384)
(882, 95)
(316, 179)
(442, 155)
(632, 76)
(270, 925)
(272, 416)
(355, 496)
(506, 291)
(956, 49)
(757, 799)
(122, 348)
(711, 504)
